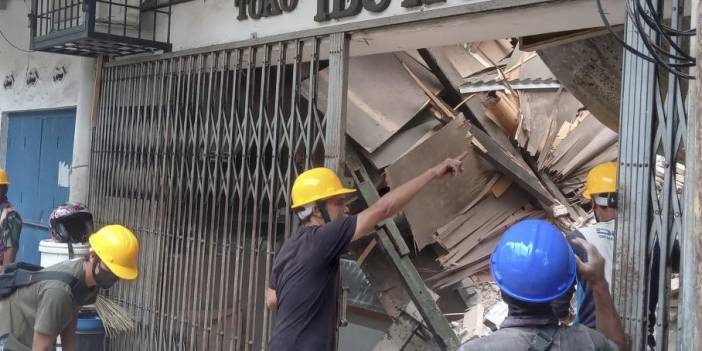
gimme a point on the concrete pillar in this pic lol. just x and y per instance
(80, 170)
(690, 319)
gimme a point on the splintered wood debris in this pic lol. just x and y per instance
(528, 149)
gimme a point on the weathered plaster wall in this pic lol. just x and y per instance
(74, 90)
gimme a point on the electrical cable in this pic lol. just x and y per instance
(670, 30)
(656, 54)
(657, 27)
(11, 44)
(649, 45)
(621, 41)
(652, 22)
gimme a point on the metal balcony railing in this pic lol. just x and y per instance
(101, 27)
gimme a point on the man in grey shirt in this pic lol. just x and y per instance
(533, 264)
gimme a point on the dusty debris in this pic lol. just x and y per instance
(496, 314)
(529, 145)
(489, 294)
(472, 323)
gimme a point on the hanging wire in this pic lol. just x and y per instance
(11, 44)
(652, 46)
(658, 26)
(672, 60)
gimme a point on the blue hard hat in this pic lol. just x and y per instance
(533, 262)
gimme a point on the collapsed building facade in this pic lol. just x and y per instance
(195, 118)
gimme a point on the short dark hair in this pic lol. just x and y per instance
(526, 308)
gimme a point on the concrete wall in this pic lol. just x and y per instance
(74, 90)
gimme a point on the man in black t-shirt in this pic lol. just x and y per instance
(302, 287)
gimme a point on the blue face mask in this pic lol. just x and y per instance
(103, 278)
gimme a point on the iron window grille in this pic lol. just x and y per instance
(100, 27)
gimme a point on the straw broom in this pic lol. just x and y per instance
(115, 318)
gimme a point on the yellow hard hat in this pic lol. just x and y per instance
(3, 178)
(601, 179)
(118, 248)
(315, 185)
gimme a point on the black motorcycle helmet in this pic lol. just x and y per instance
(70, 223)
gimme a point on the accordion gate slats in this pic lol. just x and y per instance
(196, 153)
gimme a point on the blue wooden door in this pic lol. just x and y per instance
(39, 154)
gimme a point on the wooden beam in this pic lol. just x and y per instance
(420, 295)
(542, 41)
(367, 190)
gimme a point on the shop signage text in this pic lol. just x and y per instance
(326, 9)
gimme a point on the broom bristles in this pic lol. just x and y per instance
(115, 318)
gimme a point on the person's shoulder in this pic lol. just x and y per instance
(578, 233)
(73, 267)
(14, 215)
(53, 290)
(343, 221)
(599, 340)
(503, 339)
(347, 223)
(68, 266)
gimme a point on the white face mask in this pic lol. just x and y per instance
(305, 212)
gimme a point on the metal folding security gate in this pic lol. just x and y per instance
(653, 130)
(197, 153)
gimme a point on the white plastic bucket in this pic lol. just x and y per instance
(53, 252)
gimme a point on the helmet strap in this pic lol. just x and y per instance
(322, 205)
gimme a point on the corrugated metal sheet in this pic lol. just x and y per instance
(517, 84)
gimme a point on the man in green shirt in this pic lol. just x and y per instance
(10, 224)
(33, 316)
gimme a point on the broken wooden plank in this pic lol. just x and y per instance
(371, 121)
(491, 128)
(489, 215)
(575, 212)
(501, 186)
(449, 227)
(440, 201)
(371, 245)
(404, 141)
(502, 110)
(489, 209)
(510, 167)
(438, 103)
